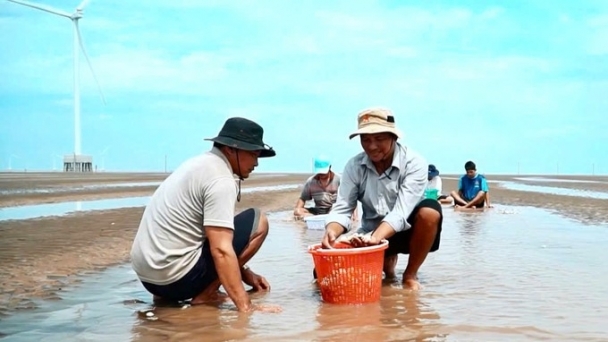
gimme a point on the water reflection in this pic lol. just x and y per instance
(78, 188)
(405, 316)
(553, 190)
(201, 320)
(470, 225)
(66, 208)
(560, 180)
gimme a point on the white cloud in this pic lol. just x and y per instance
(492, 13)
(366, 54)
(598, 35)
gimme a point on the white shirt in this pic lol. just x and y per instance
(200, 192)
(435, 183)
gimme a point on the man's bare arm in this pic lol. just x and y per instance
(227, 265)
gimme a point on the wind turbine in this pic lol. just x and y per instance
(10, 161)
(74, 17)
(53, 156)
(103, 158)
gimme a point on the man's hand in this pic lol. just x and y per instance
(364, 240)
(384, 231)
(256, 281)
(299, 213)
(332, 232)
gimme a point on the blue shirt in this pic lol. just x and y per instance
(470, 187)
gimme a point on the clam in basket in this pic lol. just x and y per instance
(349, 275)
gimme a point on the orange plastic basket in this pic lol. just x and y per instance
(348, 275)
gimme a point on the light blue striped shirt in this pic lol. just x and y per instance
(390, 197)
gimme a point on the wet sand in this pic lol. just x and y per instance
(586, 210)
(65, 186)
(40, 257)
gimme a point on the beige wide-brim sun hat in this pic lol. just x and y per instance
(376, 120)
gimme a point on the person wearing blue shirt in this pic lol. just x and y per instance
(472, 189)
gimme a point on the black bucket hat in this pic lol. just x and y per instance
(433, 172)
(243, 134)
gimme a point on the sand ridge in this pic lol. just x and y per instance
(40, 256)
(68, 187)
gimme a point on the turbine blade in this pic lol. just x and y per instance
(82, 5)
(84, 52)
(43, 8)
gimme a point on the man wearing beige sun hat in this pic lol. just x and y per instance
(389, 179)
(376, 120)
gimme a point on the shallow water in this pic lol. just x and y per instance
(66, 208)
(560, 180)
(548, 189)
(553, 190)
(77, 188)
(501, 275)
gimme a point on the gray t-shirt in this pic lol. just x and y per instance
(200, 192)
(324, 197)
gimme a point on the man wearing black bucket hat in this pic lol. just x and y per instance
(189, 241)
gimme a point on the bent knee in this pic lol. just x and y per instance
(428, 215)
(263, 225)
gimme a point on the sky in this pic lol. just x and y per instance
(512, 85)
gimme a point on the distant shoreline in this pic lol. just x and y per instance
(274, 173)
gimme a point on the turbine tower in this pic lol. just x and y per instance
(75, 161)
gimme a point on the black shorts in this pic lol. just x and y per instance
(204, 273)
(442, 197)
(400, 242)
(317, 211)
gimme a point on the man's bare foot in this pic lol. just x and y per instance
(411, 283)
(205, 298)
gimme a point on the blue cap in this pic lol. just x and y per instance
(321, 165)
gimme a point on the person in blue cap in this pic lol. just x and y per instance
(321, 187)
